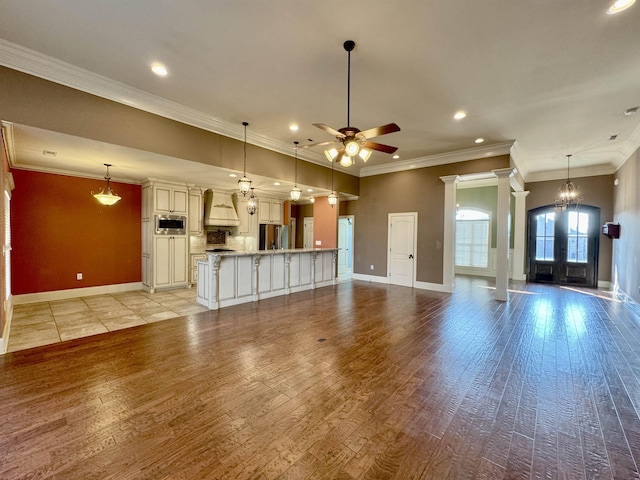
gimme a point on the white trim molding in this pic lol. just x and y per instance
(75, 293)
(440, 159)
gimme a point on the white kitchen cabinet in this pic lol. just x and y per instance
(196, 208)
(270, 211)
(170, 198)
(248, 223)
(193, 262)
(170, 259)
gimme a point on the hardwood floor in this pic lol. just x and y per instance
(354, 381)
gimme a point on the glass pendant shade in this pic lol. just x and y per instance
(252, 204)
(245, 185)
(346, 161)
(332, 198)
(331, 154)
(106, 196)
(351, 148)
(295, 194)
(364, 154)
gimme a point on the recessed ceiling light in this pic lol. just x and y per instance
(159, 69)
(233, 175)
(631, 111)
(277, 184)
(293, 127)
(309, 190)
(619, 6)
(479, 140)
(460, 115)
(395, 157)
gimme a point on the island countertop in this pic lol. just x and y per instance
(268, 252)
(232, 277)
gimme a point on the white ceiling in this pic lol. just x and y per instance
(553, 76)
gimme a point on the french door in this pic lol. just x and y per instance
(563, 245)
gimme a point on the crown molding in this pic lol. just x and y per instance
(474, 153)
(592, 171)
(54, 70)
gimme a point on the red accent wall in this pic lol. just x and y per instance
(59, 230)
(325, 223)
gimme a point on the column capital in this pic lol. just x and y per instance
(520, 194)
(504, 172)
(450, 178)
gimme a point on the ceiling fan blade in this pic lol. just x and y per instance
(318, 144)
(329, 130)
(378, 131)
(379, 147)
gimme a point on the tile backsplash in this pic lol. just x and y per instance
(216, 237)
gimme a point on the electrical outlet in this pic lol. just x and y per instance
(318, 243)
(371, 267)
(78, 276)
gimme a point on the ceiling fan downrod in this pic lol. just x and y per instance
(349, 45)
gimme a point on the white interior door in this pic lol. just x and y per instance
(402, 241)
(308, 232)
(345, 246)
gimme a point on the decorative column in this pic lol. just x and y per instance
(287, 273)
(449, 240)
(502, 241)
(313, 268)
(256, 278)
(519, 236)
(214, 266)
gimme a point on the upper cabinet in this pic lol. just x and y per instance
(196, 211)
(170, 198)
(270, 211)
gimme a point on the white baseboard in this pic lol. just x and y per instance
(4, 341)
(604, 285)
(370, 278)
(629, 302)
(75, 293)
(436, 287)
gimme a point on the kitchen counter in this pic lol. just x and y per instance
(230, 278)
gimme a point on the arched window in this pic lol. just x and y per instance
(472, 238)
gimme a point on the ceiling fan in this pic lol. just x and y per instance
(354, 142)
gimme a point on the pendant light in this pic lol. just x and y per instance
(252, 204)
(295, 191)
(106, 196)
(568, 194)
(332, 198)
(244, 183)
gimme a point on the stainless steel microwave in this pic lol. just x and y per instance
(171, 225)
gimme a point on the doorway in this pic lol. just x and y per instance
(345, 246)
(402, 241)
(307, 225)
(564, 245)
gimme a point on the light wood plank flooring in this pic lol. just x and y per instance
(354, 381)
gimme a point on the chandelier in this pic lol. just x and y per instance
(106, 196)
(295, 191)
(244, 183)
(568, 194)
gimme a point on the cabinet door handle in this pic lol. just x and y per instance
(410, 255)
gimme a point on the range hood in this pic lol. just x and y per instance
(219, 210)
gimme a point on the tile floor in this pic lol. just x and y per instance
(42, 323)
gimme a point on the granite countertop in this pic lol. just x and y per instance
(268, 252)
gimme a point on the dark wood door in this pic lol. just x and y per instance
(564, 244)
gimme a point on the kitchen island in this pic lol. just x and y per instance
(232, 278)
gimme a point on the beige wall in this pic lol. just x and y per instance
(420, 191)
(32, 101)
(596, 191)
(626, 249)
